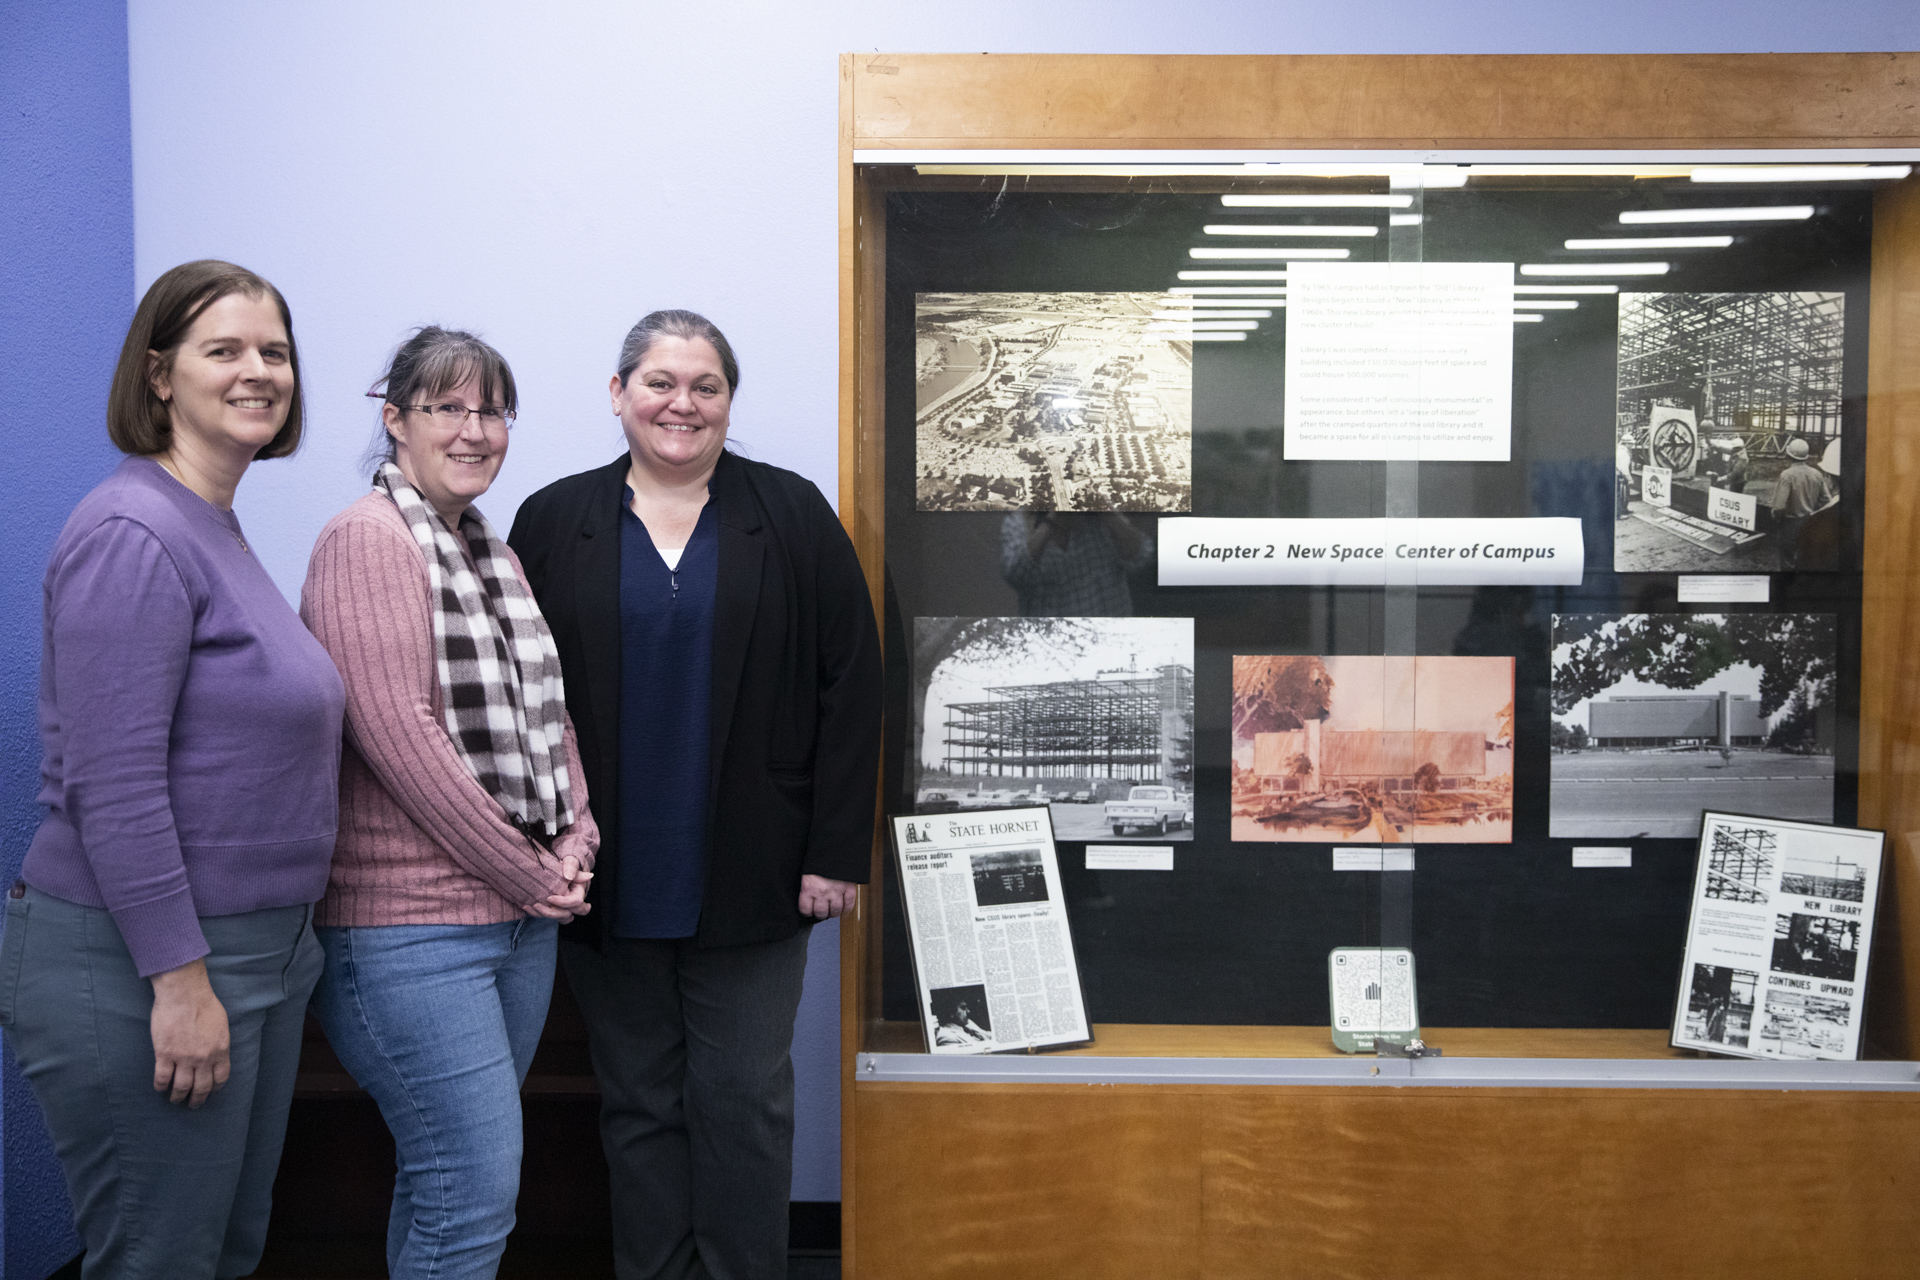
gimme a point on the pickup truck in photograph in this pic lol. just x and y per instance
(1157, 808)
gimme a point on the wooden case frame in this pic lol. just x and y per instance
(1013, 1180)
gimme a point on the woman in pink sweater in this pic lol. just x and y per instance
(464, 829)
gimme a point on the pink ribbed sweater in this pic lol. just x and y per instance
(419, 842)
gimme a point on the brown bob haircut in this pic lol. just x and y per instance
(137, 419)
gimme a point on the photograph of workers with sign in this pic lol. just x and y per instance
(1727, 446)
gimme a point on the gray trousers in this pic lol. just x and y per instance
(159, 1191)
(692, 1049)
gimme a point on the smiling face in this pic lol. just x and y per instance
(674, 409)
(449, 465)
(229, 383)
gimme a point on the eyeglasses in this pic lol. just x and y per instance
(454, 416)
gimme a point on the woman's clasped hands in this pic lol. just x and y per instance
(570, 903)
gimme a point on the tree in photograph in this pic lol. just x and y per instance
(1569, 737)
(1794, 653)
(1275, 693)
(1797, 729)
(1180, 761)
(936, 640)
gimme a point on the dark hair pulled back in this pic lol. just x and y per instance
(432, 361)
(685, 325)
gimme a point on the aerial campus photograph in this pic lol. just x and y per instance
(1051, 402)
(1658, 717)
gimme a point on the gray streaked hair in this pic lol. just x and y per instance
(685, 325)
(434, 360)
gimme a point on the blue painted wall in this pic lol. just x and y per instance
(66, 294)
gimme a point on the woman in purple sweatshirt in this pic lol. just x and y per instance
(159, 949)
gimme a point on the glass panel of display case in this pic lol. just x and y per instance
(1402, 558)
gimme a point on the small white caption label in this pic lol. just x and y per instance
(1126, 857)
(1373, 859)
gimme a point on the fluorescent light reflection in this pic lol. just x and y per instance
(1655, 242)
(1184, 301)
(1203, 337)
(1548, 304)
(1594, 268)
(1429, 175)
(1566, 288)
(1192, 290)
(1204, 326)
(1521, 317)
(1253, 253)
(1751, 213)
(1315, 202)
(1231, 275)
(1259, 314)
(1403, 220)
(1802, 173)
(1283, 229)
(1578, 170)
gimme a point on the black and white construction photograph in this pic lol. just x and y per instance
(1798, 1024)
(1008, 876)
(1092, 717)
(1052, 402)
(1720, 1005)
(1784, 909)
(960, 1015)
(1727, 432)
(1740, 863)
(1658, 717)
(1816, 946)
(1835, 876)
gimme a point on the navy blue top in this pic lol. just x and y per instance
(666, 677)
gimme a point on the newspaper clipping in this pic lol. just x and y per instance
(992, 954)
(1776, 962)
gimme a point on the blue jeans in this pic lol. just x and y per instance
(439, 1024)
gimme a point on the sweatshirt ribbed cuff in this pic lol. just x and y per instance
(162, 934)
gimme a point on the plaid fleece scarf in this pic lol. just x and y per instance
(499, 670)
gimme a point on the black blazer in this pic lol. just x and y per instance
(796, 687)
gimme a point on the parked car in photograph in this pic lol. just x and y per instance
(1157, 808)
(938, 801)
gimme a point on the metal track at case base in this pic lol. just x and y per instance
(1444, 1073)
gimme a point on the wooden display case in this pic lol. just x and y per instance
(1175, 1150)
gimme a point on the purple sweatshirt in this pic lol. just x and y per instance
(191, 724)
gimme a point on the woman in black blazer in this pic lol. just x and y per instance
(723, 673)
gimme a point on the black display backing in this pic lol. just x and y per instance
(1506, 935)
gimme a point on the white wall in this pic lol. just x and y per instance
(546, 173)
